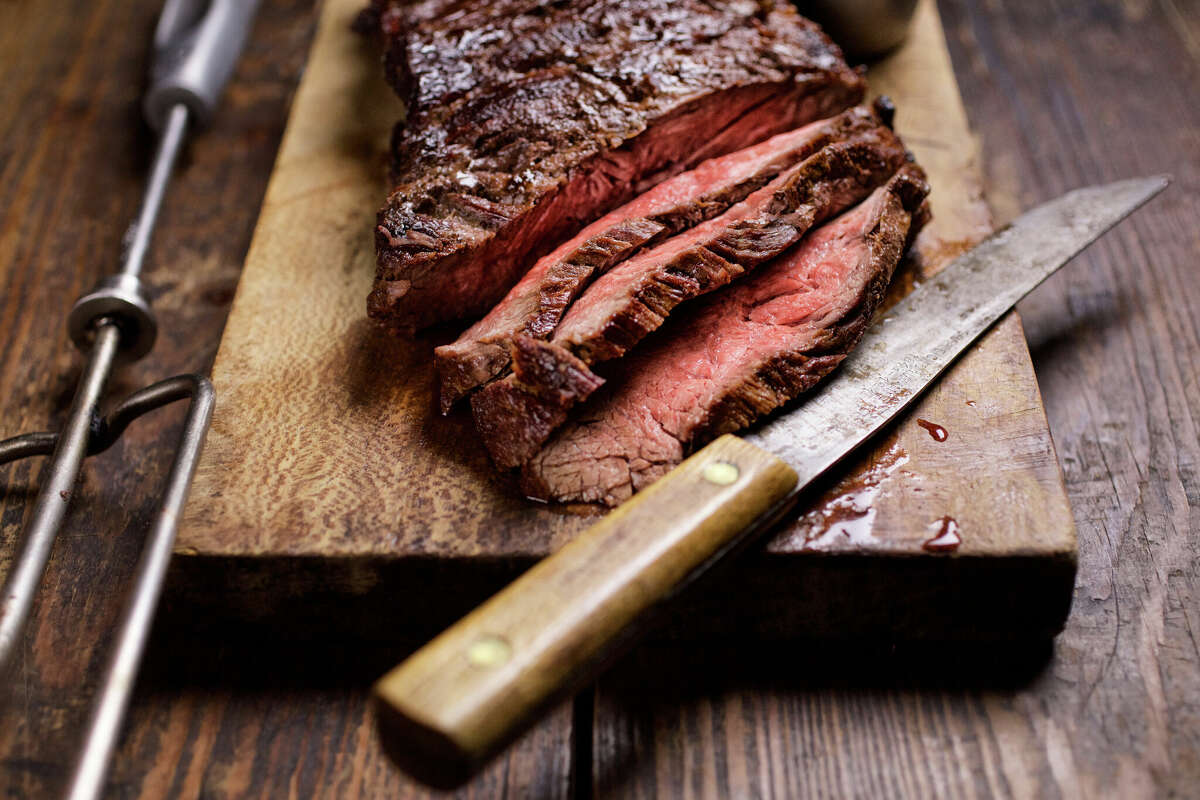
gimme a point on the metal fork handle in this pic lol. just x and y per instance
(105, 430)
(196, 45)
(111, 322)
(112, 701)
(108, 710)
(50, 506)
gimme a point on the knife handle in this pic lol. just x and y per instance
(457, 701)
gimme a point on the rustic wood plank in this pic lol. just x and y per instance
(211, 719)
(329, 470)
(1062, 95)
(1116, 707)
(276, 730)
(1116, 340)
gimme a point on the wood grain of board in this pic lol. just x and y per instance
(328, 471)
(1115, 712)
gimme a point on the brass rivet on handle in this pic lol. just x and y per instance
(722, 473)
(489, 651)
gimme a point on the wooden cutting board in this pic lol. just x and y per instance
(332, 496)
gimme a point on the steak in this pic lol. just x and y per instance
(740, 354)
(528, 119)
(536, 304)
(634, 298)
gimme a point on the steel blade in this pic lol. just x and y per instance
(916, 341)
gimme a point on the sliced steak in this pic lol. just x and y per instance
(536, 304)
(737, 356)
(528, 120)
(634, 298)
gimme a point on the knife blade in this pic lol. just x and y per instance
(457, 701)
(902, 353)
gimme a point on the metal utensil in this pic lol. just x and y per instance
(458, 700)
(863, 28)
(196, 45)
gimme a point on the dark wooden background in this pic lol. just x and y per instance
(1061, 94)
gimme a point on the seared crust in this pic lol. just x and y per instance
(541, 410)
(528, 119)
(833, 179)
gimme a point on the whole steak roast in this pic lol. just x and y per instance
(528, 120)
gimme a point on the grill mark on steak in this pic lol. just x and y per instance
(536, 304)
(737, 356)
(636, 297)
(525, 125)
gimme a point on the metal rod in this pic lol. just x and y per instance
(23, 578)
(21, 584)
(104, 727)
(26, 445)
(169, 145)
(196, 47)
(106, 430)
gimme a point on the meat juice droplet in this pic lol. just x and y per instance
(938, 433)
(947, 539)
(971, 403)
(847, 514)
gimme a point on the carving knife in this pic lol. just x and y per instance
(448, 708)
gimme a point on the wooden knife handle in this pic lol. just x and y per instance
(457, 701)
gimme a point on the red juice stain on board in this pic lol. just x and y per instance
(846, 515)
(938, 433)
(947, 539)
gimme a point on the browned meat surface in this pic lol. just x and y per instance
(536, 304)
(736, 356)
(636, 297)
(529, 119)
(542, 385)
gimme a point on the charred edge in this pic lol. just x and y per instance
(816, 69)
(517, 415)
(514, 416)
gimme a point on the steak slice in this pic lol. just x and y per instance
(528, 120)
(536, 304)
(739, 355)
(635, 298)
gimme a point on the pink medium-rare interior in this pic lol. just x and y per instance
(727, 169)
(658, 394)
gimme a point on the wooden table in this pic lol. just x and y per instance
(1061, 95)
